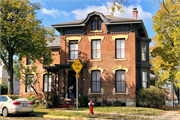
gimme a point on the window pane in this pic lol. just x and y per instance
(98, 76)
(94, 54)
(118, 54)
(122, 53)
(94, 86)
(118, 86)
(122, 44)
(118, 76)
(94, 44)
(122, 76)
(94, 76)
(98, 45)
(71, 46)
(145, 76)
(71, 55)
(76, 46)
(144, 85)
(93, 22)
(45, 87)
(76, 55)
(98, 87)
(123, 86)
(117, 44)
(98, 53)
(143, 48)
(99, 27)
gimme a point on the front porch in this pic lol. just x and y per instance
(66, 78)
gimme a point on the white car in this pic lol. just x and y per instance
(12, 104)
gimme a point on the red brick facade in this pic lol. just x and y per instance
(107, 65)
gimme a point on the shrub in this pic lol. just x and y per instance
(32, 98)
(105, 102)
(95, 101)
(151, 97)
(53, 100)
(4, 89)
(83, 101)
(117, 102)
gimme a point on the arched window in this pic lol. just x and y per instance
(120, 81)
(93, 25)
(96, 81)
(99, 25)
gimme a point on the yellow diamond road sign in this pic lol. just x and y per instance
(77, 66)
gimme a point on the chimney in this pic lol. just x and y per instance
(135, 13)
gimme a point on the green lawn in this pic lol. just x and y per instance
(100, 112)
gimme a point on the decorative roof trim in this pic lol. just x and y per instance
(120, 36)
(120, 67)
(95, 68)
(73, 38)
(96, 37)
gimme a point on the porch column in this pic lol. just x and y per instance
(59, 87)
(47, 104)
(64, 82)
(82, 82)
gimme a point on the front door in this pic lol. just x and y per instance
(72, 81)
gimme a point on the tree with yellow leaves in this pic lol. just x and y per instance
(166, 51)
(22, 35)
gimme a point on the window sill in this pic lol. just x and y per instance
(120, 59)
(30, 65)
(125, 93)
(96, 60)
(93, 93)
(71, 60)
(97, 31)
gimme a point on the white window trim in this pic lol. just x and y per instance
(120, 36)
(94, 93)
(120, 67)
(96, 68)
(126, 93)
(73, 38)
(96, 37)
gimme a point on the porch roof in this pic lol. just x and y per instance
(60, 66)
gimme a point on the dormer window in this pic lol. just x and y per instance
(93, 26)
(99, 25)
(96, 25)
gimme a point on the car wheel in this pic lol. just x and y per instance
(5, 112)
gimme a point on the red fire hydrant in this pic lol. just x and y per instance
(91, 104)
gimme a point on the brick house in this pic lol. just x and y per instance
(114, 53)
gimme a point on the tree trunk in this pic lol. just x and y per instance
(10, 73)
(177, 93)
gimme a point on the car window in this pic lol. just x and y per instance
(3, 98)
(13, 97)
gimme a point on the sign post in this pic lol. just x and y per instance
(77, 66)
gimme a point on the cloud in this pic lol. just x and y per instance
(54, 12)
(82, 13)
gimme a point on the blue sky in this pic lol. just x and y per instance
(59, 11)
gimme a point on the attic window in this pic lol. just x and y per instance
(93, 25)
(96, 25)
(99, 25)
